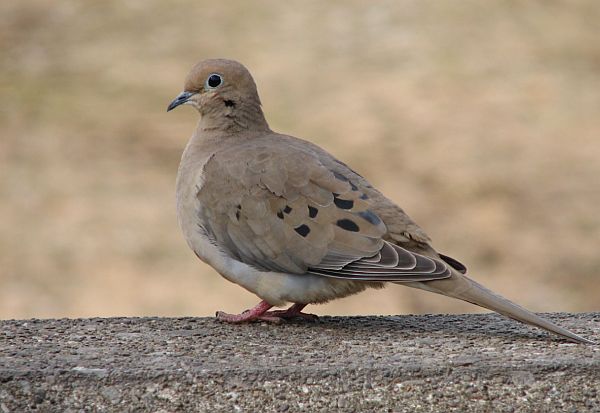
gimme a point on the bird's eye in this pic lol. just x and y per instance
(214, 81)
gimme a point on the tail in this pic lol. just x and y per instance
(462, 287)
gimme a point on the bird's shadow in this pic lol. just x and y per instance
(468, 327)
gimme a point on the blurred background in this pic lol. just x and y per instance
(481, 119)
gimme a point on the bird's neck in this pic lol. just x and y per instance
(234, 117)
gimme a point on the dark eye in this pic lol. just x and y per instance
(214, 80)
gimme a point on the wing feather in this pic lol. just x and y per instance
(286, 209)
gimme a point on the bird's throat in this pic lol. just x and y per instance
(233, 117)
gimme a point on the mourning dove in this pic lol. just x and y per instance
(289, 222)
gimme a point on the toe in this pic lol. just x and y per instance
(231, 318)
(271, 319)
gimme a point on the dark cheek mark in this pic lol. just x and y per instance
(303, 230)
(279, 214)
(312, 211)
(348, 225)
(287, 209)
(343, 203)
(230, 103)
(370, 217)
(237, 215)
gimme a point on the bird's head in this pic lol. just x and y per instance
(224, 93)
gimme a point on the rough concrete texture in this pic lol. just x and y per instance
(481, 363)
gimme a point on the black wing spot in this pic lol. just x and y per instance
(302, 230)
(339, 176)
(364, 197)
(312, 211)
(354, 187)
(287, 209)
(237, 215)
(348, 225)
(239, 207)
(279, 214)
(370, 217)
(343, 203)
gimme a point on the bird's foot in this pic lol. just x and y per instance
(295, 311)
(256, 313)
(246, 317)
(260, 313)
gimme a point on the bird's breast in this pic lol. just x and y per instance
(190, 179)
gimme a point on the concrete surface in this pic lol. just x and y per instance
(397, 363)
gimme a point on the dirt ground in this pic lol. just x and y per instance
(481, 119)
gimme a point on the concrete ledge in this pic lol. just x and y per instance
(397, 363)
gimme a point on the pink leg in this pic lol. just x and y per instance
(258, 312)
(295, 311)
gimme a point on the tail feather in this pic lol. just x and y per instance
(462, 287)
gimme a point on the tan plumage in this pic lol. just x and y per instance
(286, 220)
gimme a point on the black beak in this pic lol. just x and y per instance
(180, 100)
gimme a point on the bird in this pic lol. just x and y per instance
(289, 222)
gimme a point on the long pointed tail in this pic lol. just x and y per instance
(462, 287)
